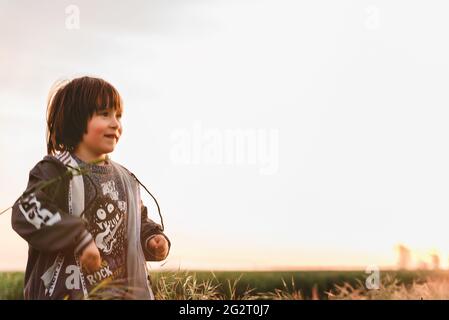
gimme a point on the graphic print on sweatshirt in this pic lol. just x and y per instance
(107, 221)
(107, 224)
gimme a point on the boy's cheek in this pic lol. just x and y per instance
(99, 131)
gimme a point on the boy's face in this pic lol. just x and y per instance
(103, 132)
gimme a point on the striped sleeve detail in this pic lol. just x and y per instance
(85, 239)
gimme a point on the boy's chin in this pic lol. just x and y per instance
(108, 150)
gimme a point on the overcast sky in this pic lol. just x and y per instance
(275, 134)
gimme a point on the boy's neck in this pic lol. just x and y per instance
(88, 157)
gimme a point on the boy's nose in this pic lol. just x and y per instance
(115, 123)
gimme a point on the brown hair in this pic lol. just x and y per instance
(71, 104)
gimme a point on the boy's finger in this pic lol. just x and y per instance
(157, 239)
(162, 254)
(162, 250)
(155, 242)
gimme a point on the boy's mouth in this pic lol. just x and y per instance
(111, 136)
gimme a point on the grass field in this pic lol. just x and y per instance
(278, 285)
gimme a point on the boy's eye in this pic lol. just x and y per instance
(106, 114)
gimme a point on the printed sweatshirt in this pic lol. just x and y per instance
(56, 238)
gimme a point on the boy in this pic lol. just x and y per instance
(87, 228)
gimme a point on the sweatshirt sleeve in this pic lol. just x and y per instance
(149, 229)
(38, 219)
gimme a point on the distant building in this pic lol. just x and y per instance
(404, 257)
(435, 261)
(422, 265)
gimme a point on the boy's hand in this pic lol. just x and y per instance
(158, 246)
(90, 258)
